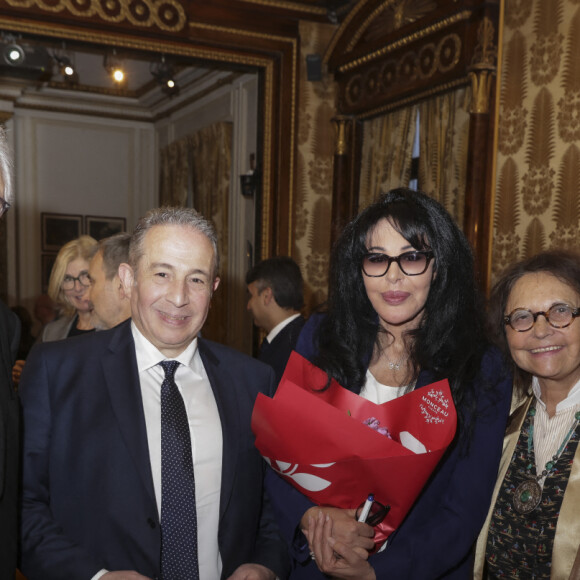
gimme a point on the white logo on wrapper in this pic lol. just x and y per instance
(304, 480)
(435, 406)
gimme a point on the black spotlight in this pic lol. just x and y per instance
(13, 54)
(164, 74)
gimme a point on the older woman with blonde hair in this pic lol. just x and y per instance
(67, 286)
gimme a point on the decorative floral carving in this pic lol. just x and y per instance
(168, 15)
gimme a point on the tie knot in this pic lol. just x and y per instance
(169, 366)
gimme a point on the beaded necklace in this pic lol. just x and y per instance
(528, 494)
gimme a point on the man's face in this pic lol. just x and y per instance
(105, 295)
(171, 290)
(256, 305)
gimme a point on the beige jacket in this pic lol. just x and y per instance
(566, 552)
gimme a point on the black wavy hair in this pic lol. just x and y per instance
(449, 339)
(562, 264)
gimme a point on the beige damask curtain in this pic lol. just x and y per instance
(443, 136)
(386, 153)
(200, 164)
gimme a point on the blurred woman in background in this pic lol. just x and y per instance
(68, 285)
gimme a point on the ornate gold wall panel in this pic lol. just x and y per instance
(167, 15)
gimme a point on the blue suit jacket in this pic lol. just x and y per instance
(277, 353)
(9, 442)
(88, 497)
(437, 536)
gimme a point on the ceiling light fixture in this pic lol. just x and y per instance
(164, 73)
(66, 68)
(13, 54)
(114, 66)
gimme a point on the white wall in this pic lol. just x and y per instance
(75, 164)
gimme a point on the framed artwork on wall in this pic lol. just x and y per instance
(58, 229)
(100, 227)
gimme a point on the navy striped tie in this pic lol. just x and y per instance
(178, 512)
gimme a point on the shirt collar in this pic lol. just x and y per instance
(149, 356)
(280, 326)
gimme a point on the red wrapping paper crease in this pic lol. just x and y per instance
(317, 441)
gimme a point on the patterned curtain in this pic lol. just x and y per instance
(386, 153)
(443, 135)
(203, 161)
(211, 158)
(175, 173)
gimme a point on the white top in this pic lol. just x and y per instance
(549, 432)
(378, 393)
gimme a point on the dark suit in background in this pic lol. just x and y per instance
(9, 339)
(277, 352)
(88, 495)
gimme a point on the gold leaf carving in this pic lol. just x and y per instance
(535, 240)
(507, 214)
(167, 15)
(396, 14)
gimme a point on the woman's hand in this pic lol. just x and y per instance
(333, 557)
(346, 529)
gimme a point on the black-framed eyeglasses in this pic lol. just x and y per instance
(376, 264)
(69, 281)
(4, 206)
(376, 515)
(558, 316)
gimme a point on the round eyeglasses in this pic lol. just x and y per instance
(69, 281)
(412, 263)
(558, 316)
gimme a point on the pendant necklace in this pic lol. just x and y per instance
(395, 365)
(528, 493)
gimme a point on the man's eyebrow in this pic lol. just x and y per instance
(167, 266)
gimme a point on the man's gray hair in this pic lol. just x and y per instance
(174, 216)
(5, 166)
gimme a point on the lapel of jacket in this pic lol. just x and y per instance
(119, 365)
(225, 395)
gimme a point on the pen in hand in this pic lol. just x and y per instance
(364, 514)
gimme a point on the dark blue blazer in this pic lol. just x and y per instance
(88, 498)
(436, 538)
(9, 442)
(277, 353)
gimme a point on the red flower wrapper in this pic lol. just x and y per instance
(322, 442)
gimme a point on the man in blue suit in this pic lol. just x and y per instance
(94, 468)
(276, 292)
(9, 339)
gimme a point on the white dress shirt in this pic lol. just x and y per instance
(549, 432)
(206, 440)
(279, 327)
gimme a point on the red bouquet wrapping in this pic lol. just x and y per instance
(321, 441)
